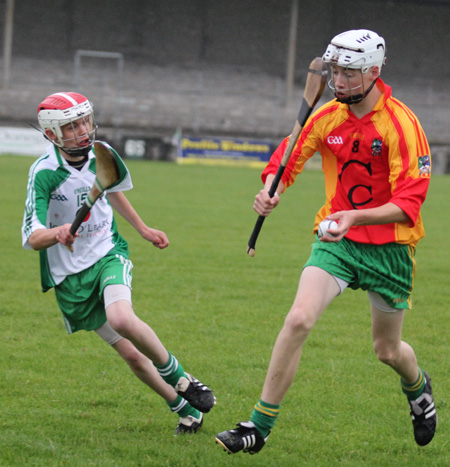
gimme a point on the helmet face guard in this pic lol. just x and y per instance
(359, 49)
(357, 93)
(68, 108)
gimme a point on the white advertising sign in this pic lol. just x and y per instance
(22, 141)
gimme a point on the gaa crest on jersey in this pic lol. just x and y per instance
(425, 165)
(58, 197)
(376, 147)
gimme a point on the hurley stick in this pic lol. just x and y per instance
(107, 173)
(315, 84)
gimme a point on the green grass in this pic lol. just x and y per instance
(71, 401)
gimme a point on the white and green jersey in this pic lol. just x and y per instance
(55, 193)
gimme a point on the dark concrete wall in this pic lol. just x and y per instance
(245, 34)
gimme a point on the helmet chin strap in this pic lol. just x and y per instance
(77, 152)
(358, 97)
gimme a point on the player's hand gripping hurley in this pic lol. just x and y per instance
(107, 174)
(315, 84)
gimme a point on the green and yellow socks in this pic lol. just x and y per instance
(264, 416)
(414, 390)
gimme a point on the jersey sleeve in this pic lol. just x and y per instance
(410, 165)
(306, 146)
(275, 159)
(36, 205)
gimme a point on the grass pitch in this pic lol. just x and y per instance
(71, 401)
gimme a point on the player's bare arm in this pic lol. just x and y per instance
(123, 206)
(385, 214)
(264, 204)
(45, 238)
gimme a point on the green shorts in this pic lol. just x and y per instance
(385, 269)
(80, 296)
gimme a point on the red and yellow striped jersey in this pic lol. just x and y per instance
(368, 162)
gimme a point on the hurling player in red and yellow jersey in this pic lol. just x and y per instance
(376, 164)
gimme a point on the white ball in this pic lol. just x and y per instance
(324, 226)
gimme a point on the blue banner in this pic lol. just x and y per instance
(224, 151)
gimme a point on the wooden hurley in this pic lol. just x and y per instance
(107, 174)
(315, 84)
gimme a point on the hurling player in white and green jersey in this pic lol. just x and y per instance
(93, 283)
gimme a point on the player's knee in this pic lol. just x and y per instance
(122, 321)
(298, 322)
(386, 353)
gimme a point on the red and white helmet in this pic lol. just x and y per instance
(63, 108)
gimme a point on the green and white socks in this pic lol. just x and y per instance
(171, 372)
(183, 408)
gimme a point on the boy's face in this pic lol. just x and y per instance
(75, 134)
(349, 82)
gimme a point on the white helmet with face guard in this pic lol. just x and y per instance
(358, 49)
(64, 108)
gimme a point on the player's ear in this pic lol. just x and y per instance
(49, 133)
(375, 72)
